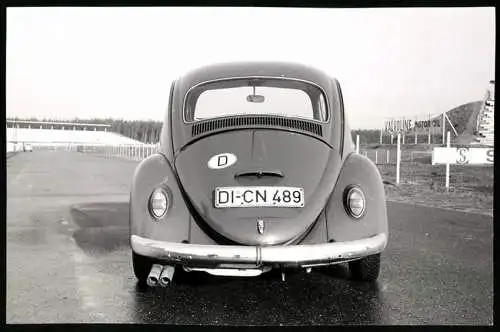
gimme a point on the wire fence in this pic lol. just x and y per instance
(416, 169)
(389, 156)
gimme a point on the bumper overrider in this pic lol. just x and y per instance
(255, 257)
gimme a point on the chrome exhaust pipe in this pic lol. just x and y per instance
(166, 276)
(154, 275)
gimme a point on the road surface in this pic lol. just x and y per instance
(69, 261)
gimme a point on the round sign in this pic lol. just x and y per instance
(222, 160)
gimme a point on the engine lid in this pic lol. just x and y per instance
(276, 161)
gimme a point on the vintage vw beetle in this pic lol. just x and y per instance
(256, 170)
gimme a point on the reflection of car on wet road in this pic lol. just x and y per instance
(256, 171)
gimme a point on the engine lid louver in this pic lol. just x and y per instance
(252, 121)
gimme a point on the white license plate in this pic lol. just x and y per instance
(227, 197)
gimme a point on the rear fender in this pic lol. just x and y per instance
(361, 171)
(151, 173)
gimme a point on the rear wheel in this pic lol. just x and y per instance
(142, 267)
(365, 269)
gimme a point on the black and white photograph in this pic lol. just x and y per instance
(249, 166)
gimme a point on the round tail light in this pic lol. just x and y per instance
(158, 203)
(355, 202)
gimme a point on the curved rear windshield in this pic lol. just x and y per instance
(262, 96)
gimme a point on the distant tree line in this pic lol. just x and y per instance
(144, 131)
(149, 131)
(366, 136)
(459, 117)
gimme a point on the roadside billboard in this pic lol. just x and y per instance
(416, 125)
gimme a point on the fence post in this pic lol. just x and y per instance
(429, 138)
(444, 125)
(392, 138)
(387, 160)
(376, 157)
(357, 143)
(447, 164)
(380, 135)
(404, 134)
(398, 158)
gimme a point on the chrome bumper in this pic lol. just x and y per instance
(221, 256)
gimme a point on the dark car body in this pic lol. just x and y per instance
(311, 161)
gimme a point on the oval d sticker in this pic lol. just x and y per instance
(222, 160)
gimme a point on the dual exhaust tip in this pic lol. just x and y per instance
(160, 275)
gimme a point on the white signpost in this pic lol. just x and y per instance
(398, 159)
(448, 164)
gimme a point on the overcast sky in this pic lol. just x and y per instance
(119, 62)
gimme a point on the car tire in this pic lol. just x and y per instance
(365, 269)
(142, 266)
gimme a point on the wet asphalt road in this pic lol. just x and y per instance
(68, 261)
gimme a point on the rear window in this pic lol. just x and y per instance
(253, 96)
